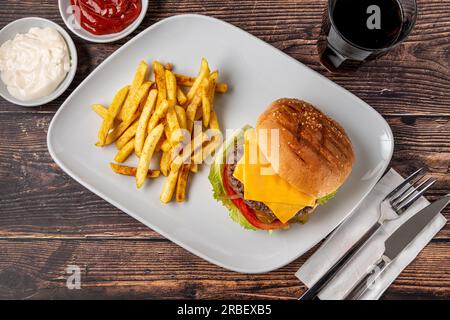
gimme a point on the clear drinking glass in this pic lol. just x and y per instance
(355, 31)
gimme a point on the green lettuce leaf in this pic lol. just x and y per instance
(215, 178)
(327, 198)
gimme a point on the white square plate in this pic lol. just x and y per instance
(257, 74)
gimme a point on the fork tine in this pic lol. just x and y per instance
(406, 205)
(409, 191)
(401, 185)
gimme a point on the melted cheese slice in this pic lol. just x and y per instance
(262, 184)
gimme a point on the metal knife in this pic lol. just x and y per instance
(395, 244)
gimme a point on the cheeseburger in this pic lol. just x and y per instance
(279, 172)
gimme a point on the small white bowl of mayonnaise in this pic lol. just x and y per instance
(38, 61)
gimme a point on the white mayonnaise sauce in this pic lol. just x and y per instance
(33, 64)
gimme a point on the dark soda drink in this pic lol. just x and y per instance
(354, 31)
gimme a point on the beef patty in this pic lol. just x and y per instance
(238, 187)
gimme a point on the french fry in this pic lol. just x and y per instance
(206, 103)
(113, 111)
(170, 184)
(160, 143)
(197, 144)
(221, 88)
(158, 115)
(212, 87)
(174, 127)
(194, 146)
(120, 129)
(188, 81)
(181, 116)
(206, 151)
(181, 96)
(198, 156)
(127, 135)
(164, 164)
(203, 73)
(180, 194)
(167, 132)
(171, 87)
(160, 79)
(140, 95)
(191, 110)
(125, 152)
(184, 80)
(141, 131)
(138, 80)
(147, 153)
(166, 146)
(131, 171)
(168, 66)
(199, 114)
(100, 110)
(214, 122)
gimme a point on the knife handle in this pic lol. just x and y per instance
(368, 281)
(313, 292)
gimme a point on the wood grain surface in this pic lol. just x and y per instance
(48, 221)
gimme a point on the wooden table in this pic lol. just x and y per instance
(49, 221)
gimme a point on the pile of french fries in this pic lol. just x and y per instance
(151, 116)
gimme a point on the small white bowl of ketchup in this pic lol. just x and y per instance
(106, 21)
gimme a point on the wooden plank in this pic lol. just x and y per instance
(132, 269)
(412, 79)
(161, 270)
(423, 142)
(38, 200)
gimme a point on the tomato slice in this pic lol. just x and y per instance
(246, 211)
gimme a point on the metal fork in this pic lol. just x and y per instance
(391, 207)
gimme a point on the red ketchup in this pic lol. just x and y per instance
(101, 17)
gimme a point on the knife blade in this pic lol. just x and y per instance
(406, 233)
(397, 242)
